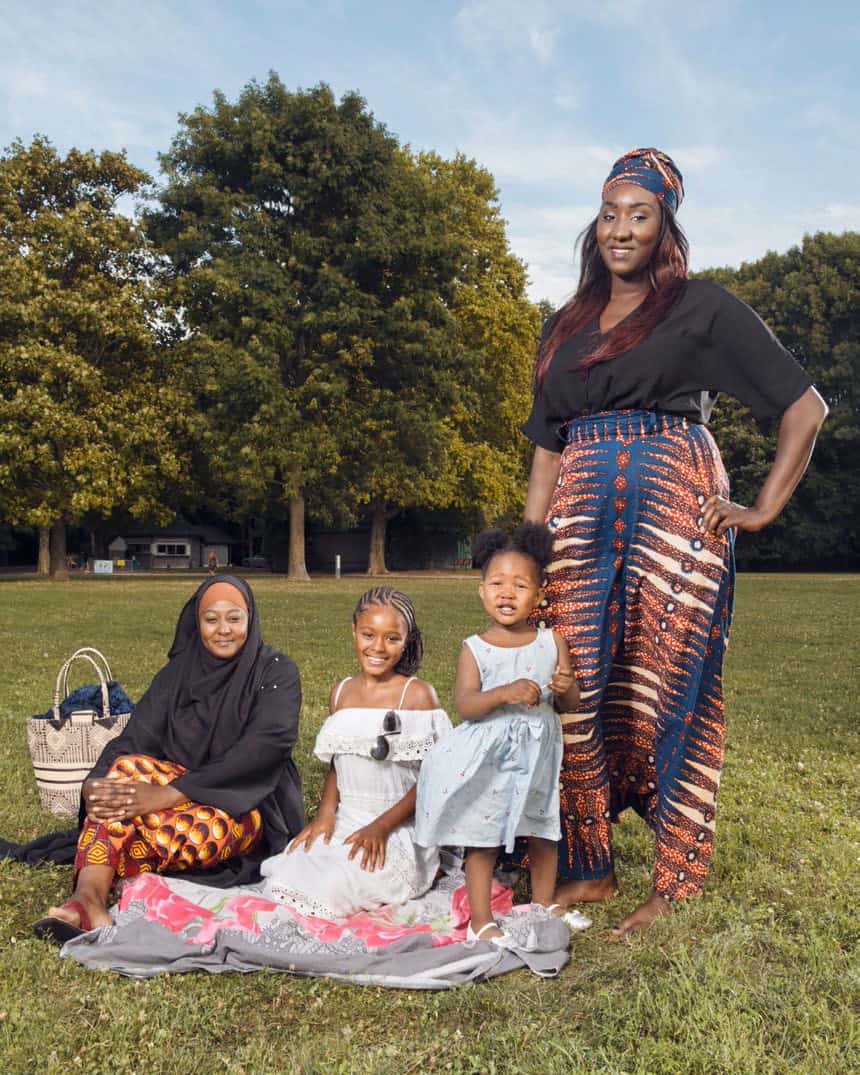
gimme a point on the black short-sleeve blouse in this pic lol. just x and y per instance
(710, 342)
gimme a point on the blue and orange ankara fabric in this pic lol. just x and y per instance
(643, 598)
(651, 169)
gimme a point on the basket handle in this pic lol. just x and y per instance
(61, 688)
(99, 656)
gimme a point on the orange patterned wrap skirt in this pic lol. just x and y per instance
(186, 836)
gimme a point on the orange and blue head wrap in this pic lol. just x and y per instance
(651, 169)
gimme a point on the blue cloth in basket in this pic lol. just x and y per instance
(90, 697)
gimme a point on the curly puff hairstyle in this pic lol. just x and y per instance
(531, 539)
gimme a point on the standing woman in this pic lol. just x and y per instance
(203, 771)
(633, 487)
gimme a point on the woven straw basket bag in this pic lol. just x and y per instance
(65, 747)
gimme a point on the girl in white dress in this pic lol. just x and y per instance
(359, 851)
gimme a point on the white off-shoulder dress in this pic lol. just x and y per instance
(323, 881)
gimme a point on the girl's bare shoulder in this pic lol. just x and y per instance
(421, 695)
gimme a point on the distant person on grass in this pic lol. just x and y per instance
(495, 778)
(202, 772)
(359, 852)
(633, 488)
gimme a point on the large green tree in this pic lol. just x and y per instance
(439, 422)
(281, 217)
(84, 390)
(809, 297)
(497, 329)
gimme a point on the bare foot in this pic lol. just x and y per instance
(603, 888)
(654, 907)
(98, 913)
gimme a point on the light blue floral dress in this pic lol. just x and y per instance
(494, 779)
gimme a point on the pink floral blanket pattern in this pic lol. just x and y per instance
(171, 925)
(198, 919)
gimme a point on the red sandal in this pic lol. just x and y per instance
(59, 930)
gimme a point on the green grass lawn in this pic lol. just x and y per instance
(757, 976)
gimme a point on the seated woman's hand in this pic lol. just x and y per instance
(322, 825)
(121, 800)
(370, 841)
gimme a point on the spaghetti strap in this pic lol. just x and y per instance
(403, 692)
(340, 687)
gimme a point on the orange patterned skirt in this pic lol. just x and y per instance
(643, 598)
(186, 836)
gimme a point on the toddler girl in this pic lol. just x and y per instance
(496, 776)
(359, 851)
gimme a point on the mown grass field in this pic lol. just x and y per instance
(758, 976)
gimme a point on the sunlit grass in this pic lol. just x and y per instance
(756, 977)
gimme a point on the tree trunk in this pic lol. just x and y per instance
(59, 569)
(378, 528)
(43, 567)
(297, 568)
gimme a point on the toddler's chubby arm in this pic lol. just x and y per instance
(563, 683)
(472, 703)
(371, 839)
(323, 822)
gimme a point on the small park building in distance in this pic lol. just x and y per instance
(179, 546)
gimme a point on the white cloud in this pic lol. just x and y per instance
(507, 26)
(843, 215)
(609, 12)
(514, 149)
(551, 264)
(545, 239)
(568, 94)
(696, 159)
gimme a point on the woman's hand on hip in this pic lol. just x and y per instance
(370, 841)
(321, 826)
(121, 799)
(719, 514)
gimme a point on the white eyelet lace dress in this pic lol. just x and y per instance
(323, 881)
(494, 779)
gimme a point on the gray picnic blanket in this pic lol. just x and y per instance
(168, 925)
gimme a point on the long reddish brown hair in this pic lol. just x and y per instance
(667, 272)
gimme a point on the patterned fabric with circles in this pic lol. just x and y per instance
(188, 835)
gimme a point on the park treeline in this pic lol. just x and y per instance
(306, 319)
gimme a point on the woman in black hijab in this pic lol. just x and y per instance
(202, 773)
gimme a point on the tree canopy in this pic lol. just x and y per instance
(310, 316)
(809, 297)
(351, 311)
(84, 393)
(283, 218)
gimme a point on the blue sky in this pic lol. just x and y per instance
(757, 102)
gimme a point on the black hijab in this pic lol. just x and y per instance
(231, 722)
(208, 698)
